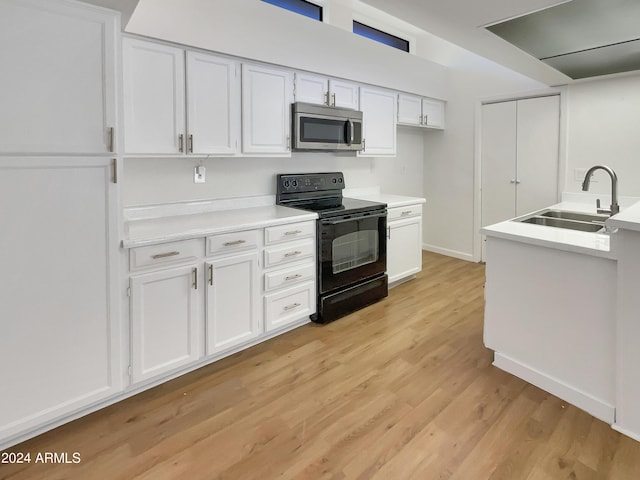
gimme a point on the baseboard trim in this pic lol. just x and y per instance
(580, 399)
(626, 432)
(450, 253)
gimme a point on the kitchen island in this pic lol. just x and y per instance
(557, 301)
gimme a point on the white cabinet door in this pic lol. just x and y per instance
(404, 248)
(154, 93)
(433, 113)
(233, 289)
(165, 321)
(538, 122)
(311, 88)
(266, 107)
(57, 87)
(379, 122)
(59, 306)
(213, 104)
(344, 94)
(409, 109)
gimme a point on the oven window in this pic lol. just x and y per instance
(354, 250)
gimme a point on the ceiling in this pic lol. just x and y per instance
(572, 37)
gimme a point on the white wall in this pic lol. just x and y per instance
(256, 30)
(161, 180)
(449, 155)
(604, 129)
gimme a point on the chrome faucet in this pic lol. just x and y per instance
(614, 207)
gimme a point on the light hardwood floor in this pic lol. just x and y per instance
(401, 390)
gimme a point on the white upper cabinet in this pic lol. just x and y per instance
(154, 92)
(433, 113)
(267, 94)
(422, 112)
(379, 122)
(324, 91)
(60, 97)
(213, 104)
(164, 117)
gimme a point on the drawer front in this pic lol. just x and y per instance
(289, 276)
(288, 306)
(404, 212)
(289, 252)
(232, 242)
(292, 231)
(141, 258)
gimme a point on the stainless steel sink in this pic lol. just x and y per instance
(584, 222)
(582, 217)
(564, 223)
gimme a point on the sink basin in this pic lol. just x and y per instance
(564, 223)
(582, 217)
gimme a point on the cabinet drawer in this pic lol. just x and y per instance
(289, 276)
(164, 254)
(289, 305)
(232, 242)
(290, 252)
(404, 212)
(292, 231)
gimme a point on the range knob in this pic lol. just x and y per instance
(295, 183)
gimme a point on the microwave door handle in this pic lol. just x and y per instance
(350, 131)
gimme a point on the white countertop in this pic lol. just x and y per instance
(595, 244)
(628, 219)
(374, 195)
(150, 231)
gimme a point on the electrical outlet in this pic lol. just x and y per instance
(199, 174)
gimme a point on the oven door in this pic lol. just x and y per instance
(319, 132)
(351, 249)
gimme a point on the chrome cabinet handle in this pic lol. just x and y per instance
(235, 242)
(389, 233)
(291, 307)
(326, 98)
(195, 278)
(333, 103)
(293, 254)
(191, 143)
(293, 277)
(181, 143)
(288, 143)
(513, 180)
(405, 213)
(426, 119)
(112, 139)
(293, 232)
(211, 275)
(165, 255)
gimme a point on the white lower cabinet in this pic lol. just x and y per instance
(233, 290)
(287, 306)
(404, 242)
(165, 321)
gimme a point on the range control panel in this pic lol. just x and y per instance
(310, 182)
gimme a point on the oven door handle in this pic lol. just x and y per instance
(351, 219)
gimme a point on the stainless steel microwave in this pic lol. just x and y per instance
(323, 128)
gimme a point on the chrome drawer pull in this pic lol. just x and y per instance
(235, 242)
(164, 255)
(291, 307)
(293, 232)
(293, 254)
(293, 277)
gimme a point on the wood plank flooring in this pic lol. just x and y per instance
(401, 390)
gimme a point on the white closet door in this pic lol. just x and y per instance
(538, 121)
(498, 162)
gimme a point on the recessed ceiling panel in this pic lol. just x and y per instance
(581, 37)
(622, 57)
